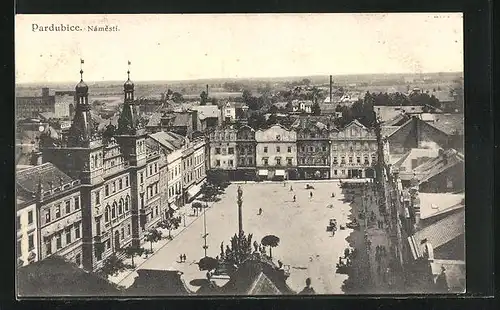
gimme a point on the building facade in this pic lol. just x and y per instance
(26, 232)
(223, 149)
(353, 151)
(245, 153)
(313, 150)
(276, 153)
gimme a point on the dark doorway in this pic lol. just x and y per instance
(370, 173)
(117, 241)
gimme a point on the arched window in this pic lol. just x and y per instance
(95, 162)
(91, 161)
(127, 203)
(106, 214)
(113, 210)
(120, 207)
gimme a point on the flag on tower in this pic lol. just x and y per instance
(81, 61)
(129, 63)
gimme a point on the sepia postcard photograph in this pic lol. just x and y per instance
(188, 155)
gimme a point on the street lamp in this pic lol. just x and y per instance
(205, 246)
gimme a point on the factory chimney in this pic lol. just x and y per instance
(331, 86)
(207, 90)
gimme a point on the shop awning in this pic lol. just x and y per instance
(280, 173)
(173, 206)
(263, 172)
(194, 190)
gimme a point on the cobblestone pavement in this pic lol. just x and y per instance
(305, 244)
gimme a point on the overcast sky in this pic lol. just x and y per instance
(179, 47)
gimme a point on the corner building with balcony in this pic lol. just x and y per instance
(116, 169)
(353, 151)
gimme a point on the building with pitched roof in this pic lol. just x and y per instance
(313, 148)
(152, 282)
(353, 151)
(245, 153)
(118, 171)
(276, 153)
(49, 219)
(209, 116)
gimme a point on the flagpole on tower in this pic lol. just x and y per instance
(81, 68)
(128, 71)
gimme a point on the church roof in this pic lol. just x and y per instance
(158, 283)
(54, 276)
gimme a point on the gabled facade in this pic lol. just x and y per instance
(353, 151)
(245, 153)
(223, 149)
(313, 150)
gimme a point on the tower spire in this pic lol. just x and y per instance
(81, 69)
(128, 71)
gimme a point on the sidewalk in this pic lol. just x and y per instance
(140, 260)
(377, 237)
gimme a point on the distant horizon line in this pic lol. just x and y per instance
(243, 78)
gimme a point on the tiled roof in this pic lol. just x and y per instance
(443, 231)
(404, 164)
(443, 96)
(455, 273)
(206, 111)
(397, 120)
(388, 130)
(154, 119)
(168, 140)
(54, 276)
(448, 123)
(47, 173)
(256, 277)
(437, 165)
(432, 204)
(387, 113)
(182, 119)
(158, 283)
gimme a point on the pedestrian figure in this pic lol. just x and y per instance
(307, 289)
(311, 194)
(260, 211)
(333, 195)
(294, 198)
(184, 257)
(280, 264)
(180, 258)
(291, 188)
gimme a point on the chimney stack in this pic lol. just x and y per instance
(207, 90)
(331, 88)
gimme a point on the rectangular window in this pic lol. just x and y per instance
(230, 150)
(19, 248)
(343, 172)
(366, 160)
(342, 160)
(335, 159)
(126, 181)
(97, 198)
(350, 159)
(277, 149)
(114, 186)
(68, 236)
(48, 246)
(358, 160)
(217, 150)
(250, 161)
(58, 241)
(106, 190)
(77, 231)
(265, 161)
(58, 211)
(335, 172)
(120, 184)
(217, 163)
(68, 207)
(324, 148)
(47, 216)
(373, 158)
(265, 149)
(150, 170)
(278, 161)
(78, 259)
(31, 242)
(18, 222)
(122, 235)
(30, 217)
(289, 149)
(128, 230)
(289, 161)
(142, 178)
(303, 148)
(77, 203)
(98, 227)
(230, 163)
